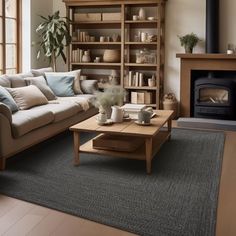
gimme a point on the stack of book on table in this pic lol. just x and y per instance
(133, 109)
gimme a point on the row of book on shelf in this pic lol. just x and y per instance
(77, 55)
(141, 97)
(82, 36)
(136, 79)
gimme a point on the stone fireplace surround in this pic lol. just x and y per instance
(200, 62)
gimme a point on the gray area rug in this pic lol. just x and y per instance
(179, 198)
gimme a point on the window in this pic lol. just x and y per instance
(9, 36)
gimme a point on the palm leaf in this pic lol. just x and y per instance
(54, 34)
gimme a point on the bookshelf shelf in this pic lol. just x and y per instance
(141, 43)
(96, 22)
(96, 43)
(140, 65)
(140, 88)
(141, 21)
(95, 64)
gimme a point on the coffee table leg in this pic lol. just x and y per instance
(76, 148)
(169, 125)
(2, 163)
(149, 155)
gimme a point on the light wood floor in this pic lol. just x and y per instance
(21, 218)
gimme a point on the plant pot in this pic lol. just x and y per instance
(108, 111)
(188, 49)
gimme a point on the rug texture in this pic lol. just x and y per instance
(178, 198)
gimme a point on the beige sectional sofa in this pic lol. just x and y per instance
(25, 128)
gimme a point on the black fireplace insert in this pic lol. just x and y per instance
(215, 98)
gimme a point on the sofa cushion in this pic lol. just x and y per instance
(89, 86)
(6, 98)
(27, 97)
(82, 100)
(4, 81)
(75, 73)
(61, 85)
(25, 121)
(17, 80)
(41, 83)
(41, 72)
(61, 111)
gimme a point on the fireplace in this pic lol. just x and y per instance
(214, 98)
(201, 66)
(195, 66)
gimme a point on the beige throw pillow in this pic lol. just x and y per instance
(17, 80)
(27, 97)
(41, 71)
(75, 73)
(41, 83)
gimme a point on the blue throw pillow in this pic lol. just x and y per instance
(7, 99)
(62, 86)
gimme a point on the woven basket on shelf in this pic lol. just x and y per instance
(111, 55)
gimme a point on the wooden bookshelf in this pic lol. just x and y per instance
(129, 47)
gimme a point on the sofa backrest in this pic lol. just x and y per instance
(4, 81)
(14, 81)
(17, 80)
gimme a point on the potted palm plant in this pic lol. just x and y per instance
(55, 36)
(189, 41)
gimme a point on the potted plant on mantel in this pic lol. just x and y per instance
(55, 36)
(189, 41)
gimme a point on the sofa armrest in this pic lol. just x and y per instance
(89, 86)
(6, 112)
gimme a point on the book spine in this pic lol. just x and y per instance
(130, 78)
(136, 79)
(140, 79)
(78, 55)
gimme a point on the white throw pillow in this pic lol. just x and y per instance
(75, 73)
(27, 97)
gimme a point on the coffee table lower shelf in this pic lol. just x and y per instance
(138, 154)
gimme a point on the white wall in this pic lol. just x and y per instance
(184, 16)
(227, 23)
(44, 8)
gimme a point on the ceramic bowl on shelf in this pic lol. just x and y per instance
(111, 55)
(151, 18)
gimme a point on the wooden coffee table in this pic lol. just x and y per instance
(153, 137)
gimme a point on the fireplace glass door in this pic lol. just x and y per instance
(213, 96)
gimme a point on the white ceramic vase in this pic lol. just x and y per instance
(142, 14)
(86, 57)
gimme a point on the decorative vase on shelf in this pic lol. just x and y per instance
(114, 77)
(142, 14)
(86, 57)
(111, 55)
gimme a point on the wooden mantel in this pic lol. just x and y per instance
(189, 62)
